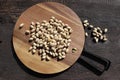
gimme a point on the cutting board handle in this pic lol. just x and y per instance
(101, 60)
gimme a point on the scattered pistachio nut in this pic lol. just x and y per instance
(91, 26)
(85, 25)
(32, 23)
(74, 50)
(33, 51)
(86, 34)
(85, 21)
(21, 25)
(96, 39)
(105, 30)
(27, 32)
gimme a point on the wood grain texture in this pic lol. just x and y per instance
(43, 11)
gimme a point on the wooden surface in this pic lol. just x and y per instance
(103, 13)
(43, 11)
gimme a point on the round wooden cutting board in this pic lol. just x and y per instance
(43, 11)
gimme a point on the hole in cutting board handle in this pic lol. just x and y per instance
(0, 41)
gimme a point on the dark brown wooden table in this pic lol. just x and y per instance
(103, 13)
